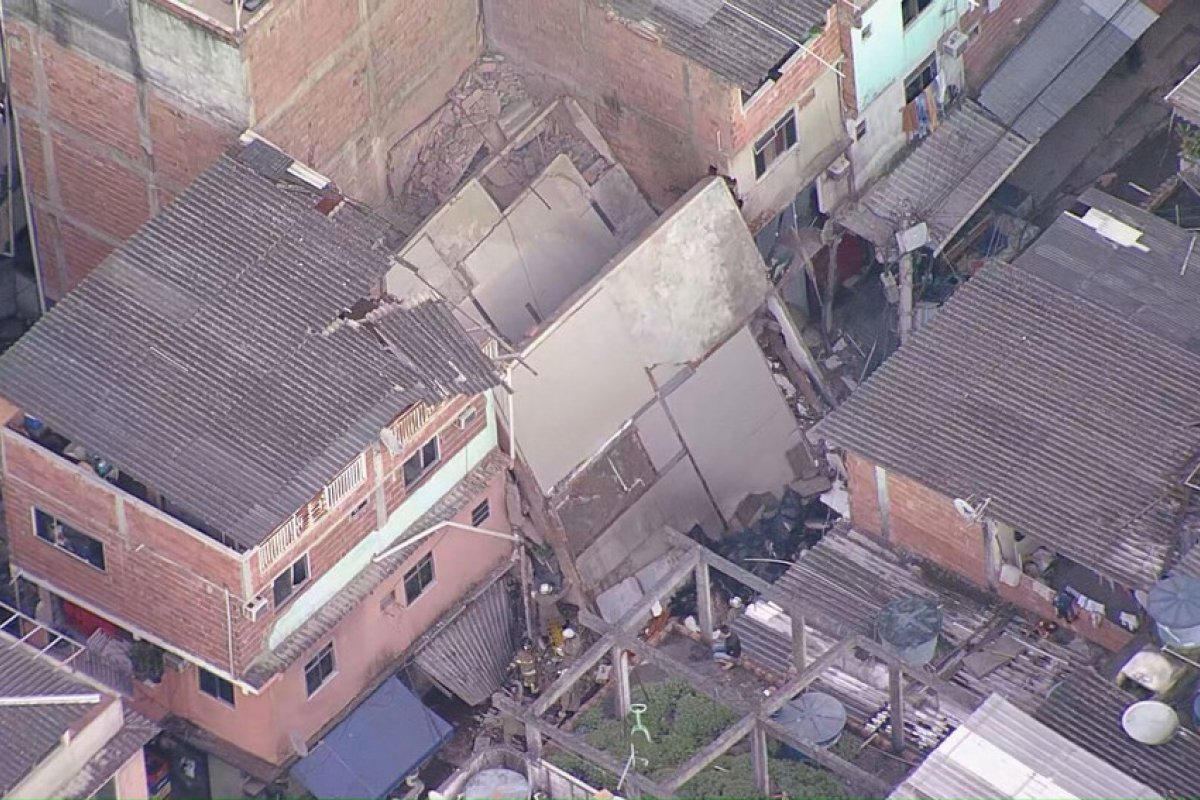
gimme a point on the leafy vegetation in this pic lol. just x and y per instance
(681, 722)
(1189, 142)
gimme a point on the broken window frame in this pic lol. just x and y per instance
(418, 579)
(69, 539)
(288, 583)
(418, 465)
(775, 143)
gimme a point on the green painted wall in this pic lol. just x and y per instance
(891, 51)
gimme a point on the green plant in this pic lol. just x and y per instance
(147, 661)
(1189, 142)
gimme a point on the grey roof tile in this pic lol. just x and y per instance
(1074, 421)
(942, 181)
(738, 40)
(200, 356)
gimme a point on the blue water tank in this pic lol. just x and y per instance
(814, 718)
(910, 627)
(1174, 605)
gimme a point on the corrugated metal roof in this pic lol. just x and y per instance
(739, 40)
(1146, 284)
(28, 734)
(1061, 60)
(204, 357)
(1086, 709)
(470, 655)
(1002, 752)
(319, 625)
(1185, 97)
(1075, 422)
(941, 182)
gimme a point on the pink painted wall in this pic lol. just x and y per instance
(131, 778)
(365, 644)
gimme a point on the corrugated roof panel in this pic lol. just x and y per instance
(1185, 97)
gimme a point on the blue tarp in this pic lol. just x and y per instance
(369, 752)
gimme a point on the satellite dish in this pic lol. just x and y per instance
(298, 744)
(965, 508)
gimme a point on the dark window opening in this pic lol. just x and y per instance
(319, 669)
(774, 143)
(921, 79)
(290, 580)
(421, 462)
(860, 131)
(216, 686)
(63, 536)
(418, 579)
(911, 9)
(480, 513)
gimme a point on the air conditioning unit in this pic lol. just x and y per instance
(839, 168)
(174, 662)
(467, 417)
(954, 43)
(256, 608)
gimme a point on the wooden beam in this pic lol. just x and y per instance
(863, 783)
(799, 644)
(533, 742)
(759, 761)
(714, 690)
(704, 605)
(577, 745)
(711, 752)
(896, 690)
(964, 698)
(594, 654)
(798, 684)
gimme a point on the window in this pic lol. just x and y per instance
(480, 513)
(290, 580)
(860, 130)
(319, 670)
(418, 579)
(866, 32)
(776, 142)
(215, 686)
(911, 9)
(421, 462)
(921, 79)
(63, 536)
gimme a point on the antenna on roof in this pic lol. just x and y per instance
(1187, 259)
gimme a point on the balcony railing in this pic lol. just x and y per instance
(102, 658)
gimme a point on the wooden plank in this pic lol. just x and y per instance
(704, 606)
(620, 662)
(577, 745)
(862, 783)
(799, 644)
(798, 684)
(896, 690)
(964, 698)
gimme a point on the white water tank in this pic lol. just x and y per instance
(1150, 722)
(498, 784)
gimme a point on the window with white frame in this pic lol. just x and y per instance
(422, 461)
(418, 579)
(346, 482)
(774, 143)
(291, 579)
(319, 669)
(216, 686)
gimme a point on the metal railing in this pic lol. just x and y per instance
(102, 658)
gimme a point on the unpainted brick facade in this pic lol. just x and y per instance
(921, 521)
(668, 119)
(334, 83)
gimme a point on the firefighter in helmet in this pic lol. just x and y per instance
(526, 664)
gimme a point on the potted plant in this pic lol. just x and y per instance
(147, 661)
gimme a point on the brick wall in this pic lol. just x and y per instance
(158, 578)
(917, 519)
(666, 119)
(99, 157)
(338, 83)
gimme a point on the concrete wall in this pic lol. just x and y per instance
(890, 51)
(101, 723)
(995, 33)
(885, 136)
(668, 299)
(365, 644)
(130, 778)
(820, 136)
